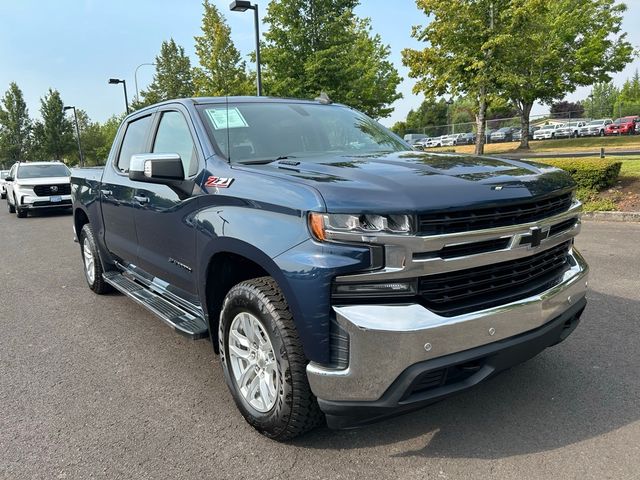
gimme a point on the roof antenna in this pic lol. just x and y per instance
(324, 99)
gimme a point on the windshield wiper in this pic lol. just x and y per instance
(265, 161)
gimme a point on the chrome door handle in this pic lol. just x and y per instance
(141, 199)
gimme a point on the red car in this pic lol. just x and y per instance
(623, 126)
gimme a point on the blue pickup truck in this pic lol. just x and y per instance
(340, 275)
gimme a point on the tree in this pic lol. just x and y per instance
(54, 135)
(315, 46)
(459, 57)
(172, 79)
(547, 48)
(565, 109)
(15, 125)
(221, 71)
(628, 101)
(601, 100)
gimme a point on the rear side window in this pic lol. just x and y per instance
(134, 141)
(174, 137)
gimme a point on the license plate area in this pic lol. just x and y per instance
(55, 199)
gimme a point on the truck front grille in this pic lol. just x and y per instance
(46, 190)
(463, 291)
(438, 223)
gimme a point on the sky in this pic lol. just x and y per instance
(75, 46)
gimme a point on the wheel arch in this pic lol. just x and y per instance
(230, 262)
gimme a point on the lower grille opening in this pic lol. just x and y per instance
(443, 377)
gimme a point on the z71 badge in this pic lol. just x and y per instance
(218, 182)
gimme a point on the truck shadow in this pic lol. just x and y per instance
(580, 389)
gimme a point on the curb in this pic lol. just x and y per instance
(612, 216)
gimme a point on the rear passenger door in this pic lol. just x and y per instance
(117, 192)
(166, 233)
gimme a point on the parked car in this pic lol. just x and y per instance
(411, 138)
(517, 135)
(451, 140)
(467, 139)
(38, 185)
(546, 132)
(434, 142)
(487, 134)
(419, 144)
(307, 242)
(504, 134)
(623, 126)
(595, 128)
(570, 129)
(3, 184)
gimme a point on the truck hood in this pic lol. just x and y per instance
(417, 181)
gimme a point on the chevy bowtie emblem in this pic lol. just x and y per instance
(535, 237)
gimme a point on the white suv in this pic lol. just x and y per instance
(3, 188)
(36, 185)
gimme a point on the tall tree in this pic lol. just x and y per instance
(221, 71)
(173, 76)
(459, 56)
(547, 48)
(628, 101)
(15, 125)
(566, 109)
(601, 100)
(315, 46)
(54, 134)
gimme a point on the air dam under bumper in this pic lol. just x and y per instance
(403, 357)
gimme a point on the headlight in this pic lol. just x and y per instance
(322, 223)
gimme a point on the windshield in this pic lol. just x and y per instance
(4, 174)
(571, 124)
(43, 171)
(596, 122)
(548, 127)
(262, 132)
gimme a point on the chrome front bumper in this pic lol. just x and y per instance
(384, 340)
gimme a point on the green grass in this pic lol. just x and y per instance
(585, 144)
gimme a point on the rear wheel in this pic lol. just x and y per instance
(263, 362)
(91, 261)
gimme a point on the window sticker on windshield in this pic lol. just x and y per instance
(221, 118)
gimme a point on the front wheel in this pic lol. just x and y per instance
(12, 208)
(263, 362)
(21, 212)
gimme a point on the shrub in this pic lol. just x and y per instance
(589, 173)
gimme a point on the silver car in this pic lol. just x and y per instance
(3, 184)
(595, 128)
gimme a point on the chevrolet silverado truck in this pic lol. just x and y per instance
(340, 275)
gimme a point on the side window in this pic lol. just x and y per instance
(134, 141)
(174, 137)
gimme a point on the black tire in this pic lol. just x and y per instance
(12, 208)
(295, 410)
(97, 283)
(602, 133)
(21, 213)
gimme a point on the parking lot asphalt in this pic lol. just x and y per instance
(96, 387)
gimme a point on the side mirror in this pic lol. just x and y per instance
(162, 168)
(8, 179)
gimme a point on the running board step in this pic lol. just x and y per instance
(181, 321)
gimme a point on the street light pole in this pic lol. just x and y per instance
(135, 78)
(243, 6)
(75, 117)
(115, 81)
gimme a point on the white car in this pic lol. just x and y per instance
(570, 129)
(595, 128)
(3, 184)
(450, 140)
(38, 185)
(434, 142)
(546, 132)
